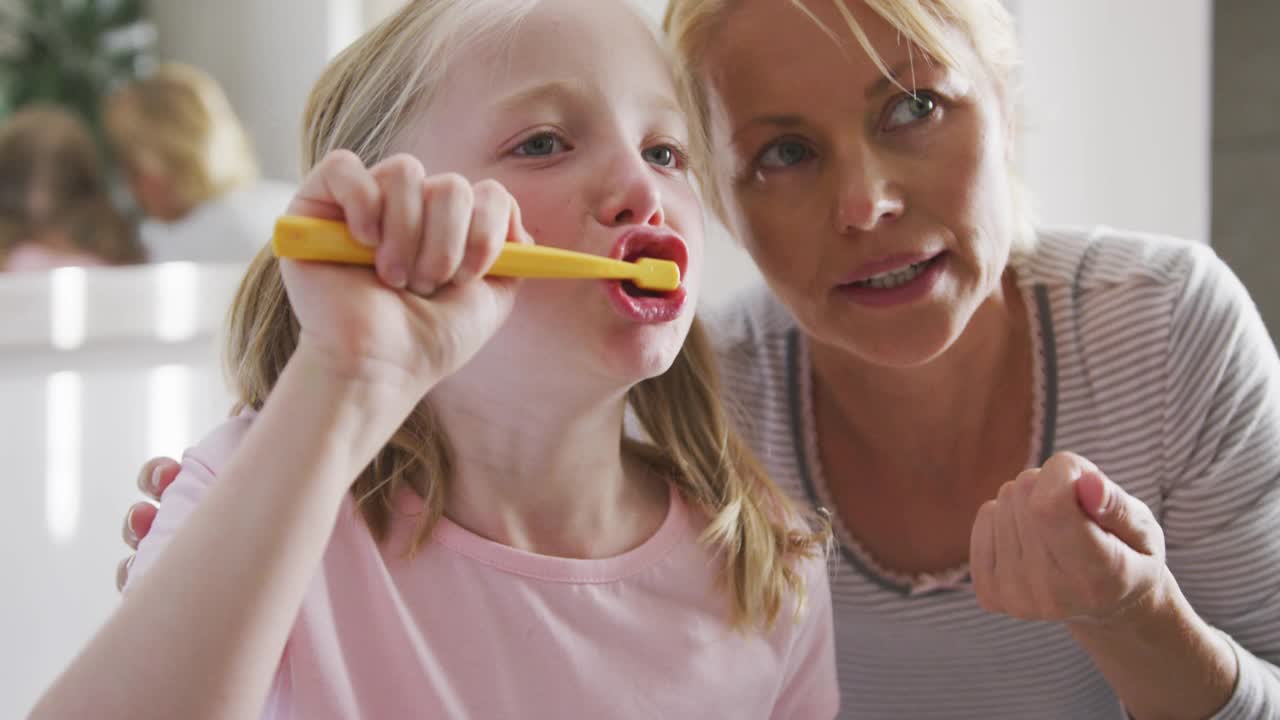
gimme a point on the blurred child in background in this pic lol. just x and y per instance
(55, 208)
(191, 168)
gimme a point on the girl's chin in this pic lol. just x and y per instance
(644, 355)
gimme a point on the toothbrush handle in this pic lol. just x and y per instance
(303, 238)
(538, 261)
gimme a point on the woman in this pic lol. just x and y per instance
(920, 346)
(191, 168)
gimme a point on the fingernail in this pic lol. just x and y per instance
(153, 482)
(424, 289)
(397, 277)
(128, 525)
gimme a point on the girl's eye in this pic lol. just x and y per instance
(540, 146)
(784, 154)
(909, 109)
(663, 156)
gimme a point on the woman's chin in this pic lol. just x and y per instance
(907, 346)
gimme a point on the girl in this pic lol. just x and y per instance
(499, 549)
(54, 205)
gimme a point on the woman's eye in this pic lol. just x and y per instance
(909, 109)
(662, 156)
(540, 146)
(784, 154)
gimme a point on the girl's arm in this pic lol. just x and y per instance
(215, 611)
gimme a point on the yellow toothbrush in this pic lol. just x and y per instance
(304, 238)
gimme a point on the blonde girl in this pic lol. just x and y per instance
(427, 506)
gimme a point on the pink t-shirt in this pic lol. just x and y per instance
(470, 628)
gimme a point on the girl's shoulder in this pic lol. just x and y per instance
(211, 453)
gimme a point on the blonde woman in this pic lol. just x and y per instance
(191, 168)
(497, 549)
(921, 346)
(55, 209)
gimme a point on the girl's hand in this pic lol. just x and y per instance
(428, 308)
(1065, 543)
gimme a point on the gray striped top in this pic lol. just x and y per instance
(1152, 361)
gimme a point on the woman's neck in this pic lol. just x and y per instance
(944, 419)
(541, 468)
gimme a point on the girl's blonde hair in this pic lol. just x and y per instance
(925, 24)
(362, 101)
(177, 123)
(52, 181)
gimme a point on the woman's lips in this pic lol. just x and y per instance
(888, 264)
(920, 283)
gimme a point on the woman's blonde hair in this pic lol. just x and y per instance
(178, 123)
(52, 181)
(925, 24)
(362, 101)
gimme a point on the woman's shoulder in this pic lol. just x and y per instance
(747, 321)
(1102, 258)
(1102, 269)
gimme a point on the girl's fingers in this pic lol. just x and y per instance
(490, 225)
(340, 187)
(399, 180)
(449, 201)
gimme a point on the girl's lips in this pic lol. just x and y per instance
(647, 306)
(664, 308)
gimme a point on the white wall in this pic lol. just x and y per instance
(265, 54)
(1118, 112)
(99, 370)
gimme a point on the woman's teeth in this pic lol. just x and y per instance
(895, 278)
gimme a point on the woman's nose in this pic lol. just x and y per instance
(867, 196)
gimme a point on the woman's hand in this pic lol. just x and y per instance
(1065, 543)
(156, 475)
(428, 308)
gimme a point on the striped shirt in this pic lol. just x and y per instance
(1151, 361)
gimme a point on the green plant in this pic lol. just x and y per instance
(70, 52)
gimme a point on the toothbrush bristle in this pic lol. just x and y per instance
(658, 274)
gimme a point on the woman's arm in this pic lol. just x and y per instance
(1181, 616)
(221, 599)
(1221, 511)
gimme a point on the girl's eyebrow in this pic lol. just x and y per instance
(569, 92)
(550, 92)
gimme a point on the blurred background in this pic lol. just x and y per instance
(122, 236)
